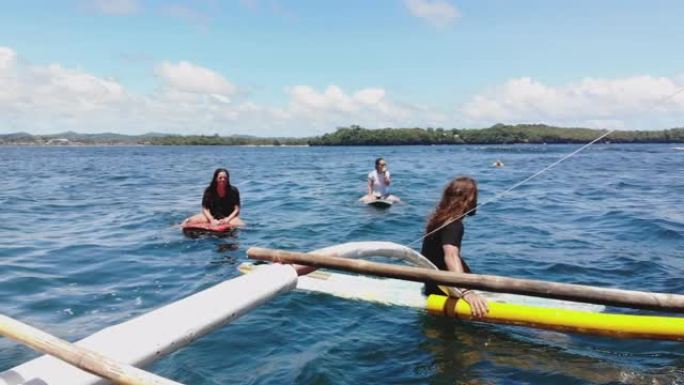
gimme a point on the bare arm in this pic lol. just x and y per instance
(452, 258)
(388, 180)
(235, 213)
(207, 214)
(370, 187)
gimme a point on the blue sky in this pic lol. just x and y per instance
(299, 68)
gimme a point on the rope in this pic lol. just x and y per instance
(497, 196)
(529, 178)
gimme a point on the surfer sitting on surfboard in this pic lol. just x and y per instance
(379, 181)
(444, 231)
(220, 203)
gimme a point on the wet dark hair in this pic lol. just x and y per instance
(212, 186)
(459, 197)
(377, 161)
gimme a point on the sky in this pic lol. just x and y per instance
(304, 68)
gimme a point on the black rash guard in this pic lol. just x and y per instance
(452, 234)
(221, 207)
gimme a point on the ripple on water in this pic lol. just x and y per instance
(89, 239)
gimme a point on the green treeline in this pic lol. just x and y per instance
(359, 136)
(215, 140)
(497, 134)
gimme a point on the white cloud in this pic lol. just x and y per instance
(192, 99)
(53, 87)
(7, 59)
(115, 7)
(370, 96)
(629, 102)
(439, 13)
(187, 77)
(9, 85)
(333, 107)
(55, 80)
(333, 99)
(52, 98)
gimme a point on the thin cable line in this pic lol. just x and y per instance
(499, 195)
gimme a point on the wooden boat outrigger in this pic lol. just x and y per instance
(170, 327)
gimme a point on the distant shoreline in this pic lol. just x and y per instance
(358, 136)
(78, 144)
(91, 145)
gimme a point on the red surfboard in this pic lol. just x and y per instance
(206, 228)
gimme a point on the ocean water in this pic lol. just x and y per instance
(89, 238)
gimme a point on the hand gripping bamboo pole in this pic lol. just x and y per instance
(80, 357)
(570, 292)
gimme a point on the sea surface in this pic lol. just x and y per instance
(89, 237)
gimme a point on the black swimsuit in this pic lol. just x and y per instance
(452, 234)
(221, 207)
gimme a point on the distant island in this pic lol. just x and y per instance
(359, 136)
(497, 134)
(76, 139)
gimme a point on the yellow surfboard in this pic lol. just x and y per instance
(541, 313)
(567, 320)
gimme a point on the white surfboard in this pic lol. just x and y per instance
(398, 292)
(380, 203)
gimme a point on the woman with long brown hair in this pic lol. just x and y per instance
(444, 232)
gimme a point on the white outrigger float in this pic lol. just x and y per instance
(142, 340)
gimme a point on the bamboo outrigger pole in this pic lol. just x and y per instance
(163, 330)
(78, 356)
(571, 292)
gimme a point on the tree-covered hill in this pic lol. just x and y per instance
(359, 136)
(497, 134)
(236, 140)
